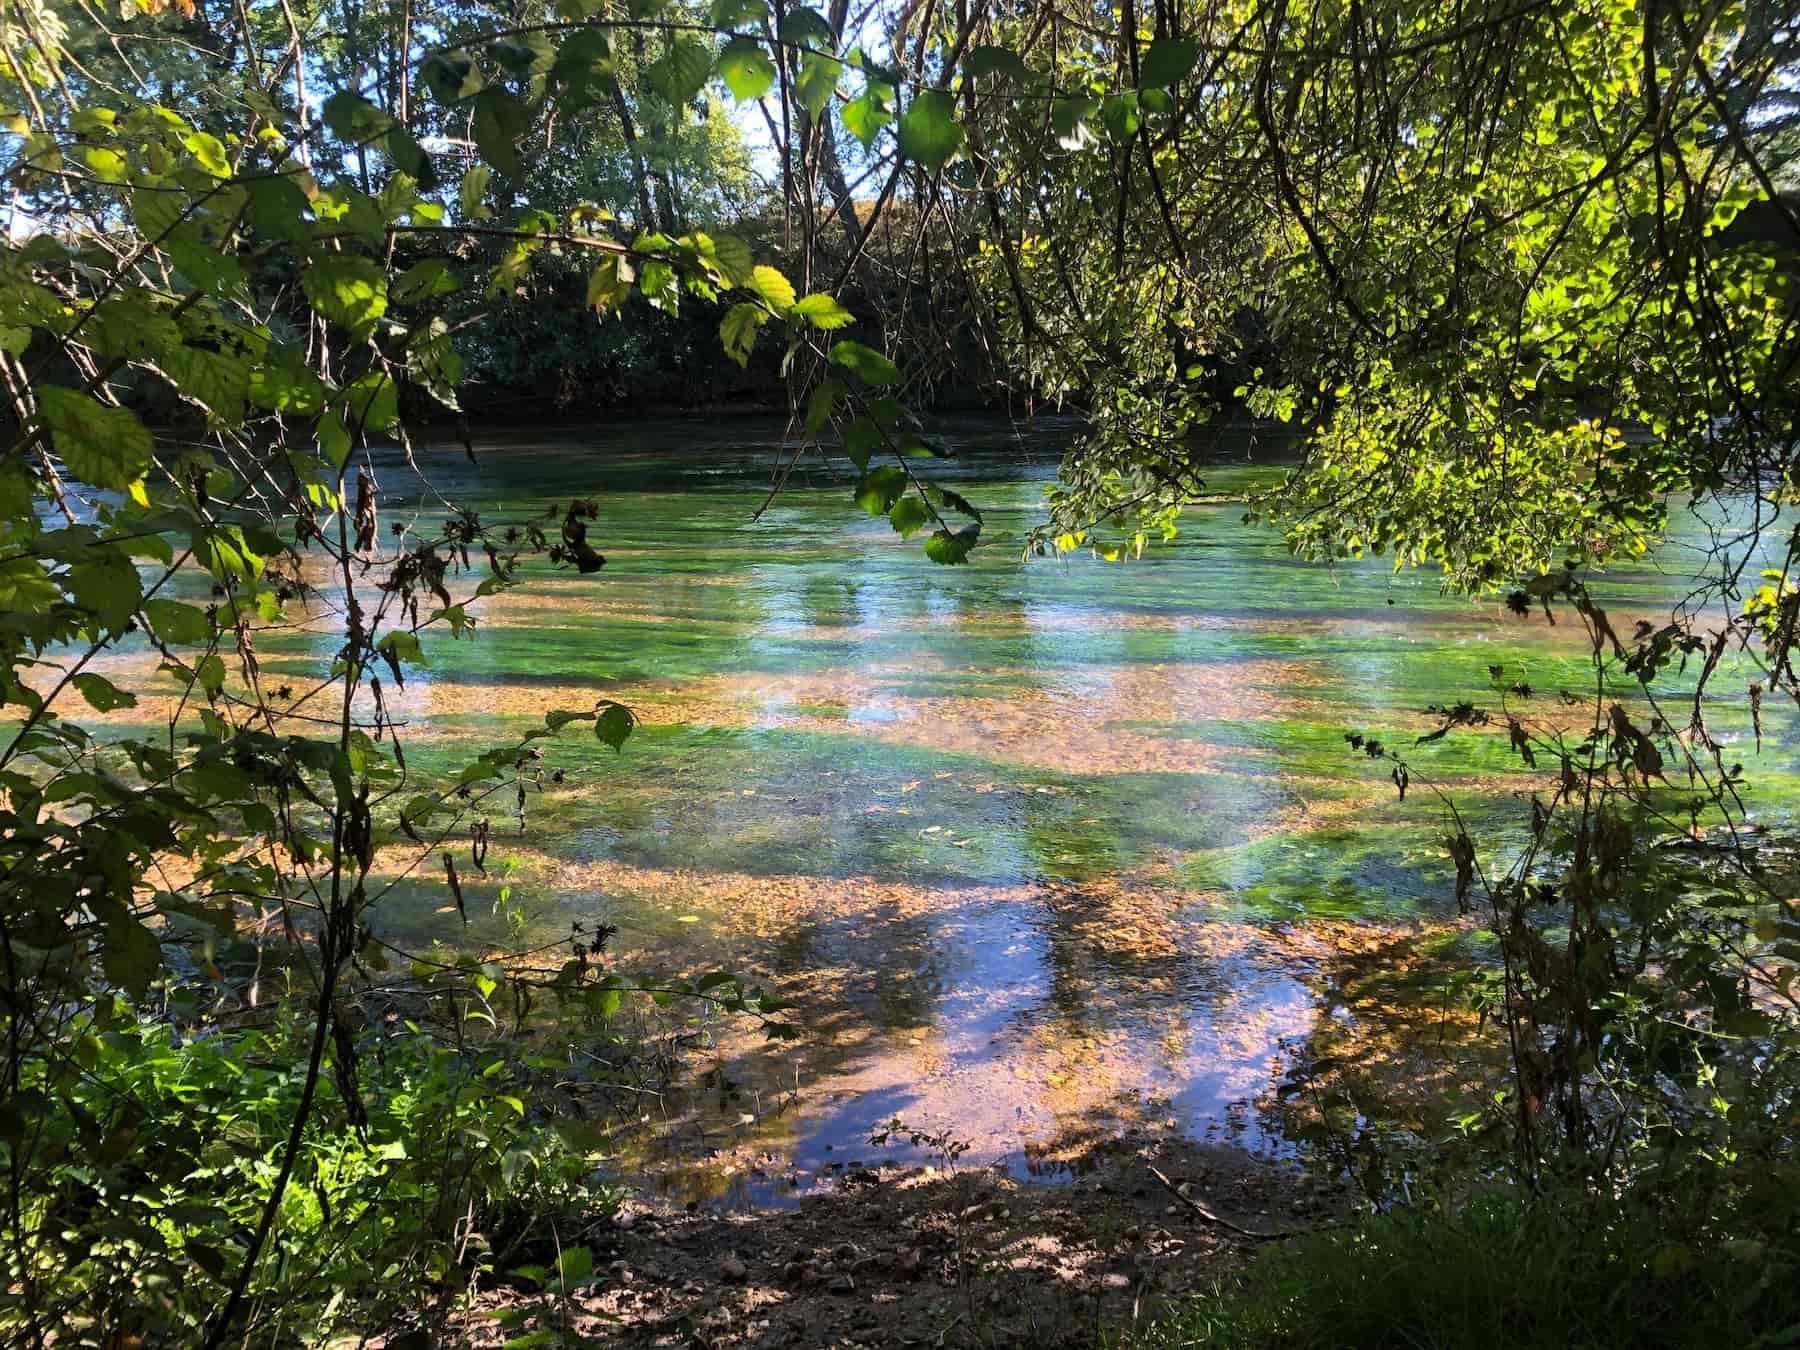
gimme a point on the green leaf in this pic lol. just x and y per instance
(525, 54)
(108, 585)
(107, 447)
(946, 500)
(406, 152)
(821, 311)
(772, 286)
(347, 290)
(681, 73)
(929, 131)
(880, 488)
(950, 547)
(500, 119)
(585, 66)
(372, 403)
(862, 440)
(128, 326)
(424, 280)
(909, 516)
(285, 384)
(735, 13)
(102, 694)
(471, 192)
(278, 207)
(865, 115)
(105, 164)
(613, 723)
(609, 285)
(746, 69)
(820, 404)
(353, 119)
(208, 153)
(133, 955)
(1069, 119)
(1121, 116)
(575, 1267)
(334, 439)
(450, 76)
(157, 211)
(806, 28)
(736, 263)
(177, 623)
(1168, 60)
(867, 364)
(738, 330)
(816, 81)
(218, 382)
(995, 61)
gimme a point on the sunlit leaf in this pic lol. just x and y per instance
(745, 67)
(107, 447)
(821, 311)
(880, 488)
(347, 290)
(738, 330)
(867, 364)
(772, 286)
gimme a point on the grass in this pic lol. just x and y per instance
(1500, 1273)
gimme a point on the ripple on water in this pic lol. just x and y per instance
(1043, 852)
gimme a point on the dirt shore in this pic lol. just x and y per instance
(922, 1256)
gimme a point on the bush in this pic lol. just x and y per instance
(163, 1150)
(1507, 1272)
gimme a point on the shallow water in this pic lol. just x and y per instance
(1044, 850)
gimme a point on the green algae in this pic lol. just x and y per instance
(994, 802)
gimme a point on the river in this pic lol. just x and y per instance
(1043, 850)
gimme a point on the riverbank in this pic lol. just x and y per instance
(934, 1255)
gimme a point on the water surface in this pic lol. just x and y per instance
(1045, 850)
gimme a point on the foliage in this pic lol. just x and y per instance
(1514, 276)
(1564, 1270)
(161, 1153)
(270, 247)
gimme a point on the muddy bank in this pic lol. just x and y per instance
(921, 1256)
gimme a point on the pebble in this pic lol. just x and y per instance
(733, 1269)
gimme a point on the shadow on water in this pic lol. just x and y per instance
(1040, 850)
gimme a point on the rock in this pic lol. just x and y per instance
(841, 1284)
(1115, 1281)
(844, 1251)
(794, 1272)
(734, 1270)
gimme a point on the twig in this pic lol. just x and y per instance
(1227, 1224)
